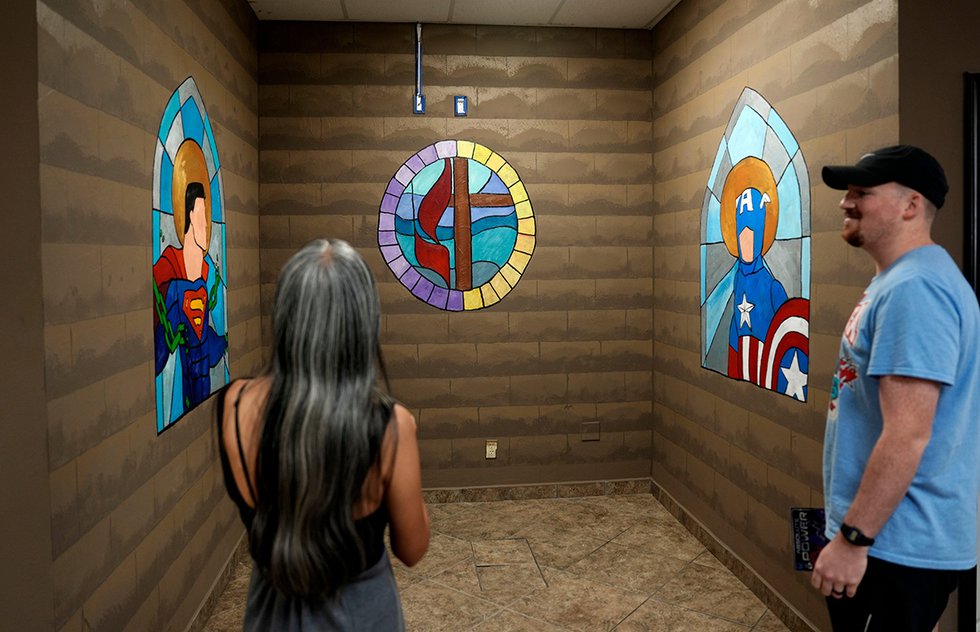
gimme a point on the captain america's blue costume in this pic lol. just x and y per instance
(757, 293)
(757, 297)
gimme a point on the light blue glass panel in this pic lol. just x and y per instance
(193, 125)
(715, 305)
(788, 189)
(713, 220)
(748, 137)
(786, 136)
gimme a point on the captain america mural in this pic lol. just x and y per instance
(755, 254)
(189, 309)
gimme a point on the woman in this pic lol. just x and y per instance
(319, 461)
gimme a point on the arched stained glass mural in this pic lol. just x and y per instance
(456, 226)
(755, 253)
(190, 325)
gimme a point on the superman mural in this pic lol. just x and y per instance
(189, 312)
(755, 254)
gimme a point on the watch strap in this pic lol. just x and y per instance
(855, 536)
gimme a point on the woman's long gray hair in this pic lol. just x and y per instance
(324, 421)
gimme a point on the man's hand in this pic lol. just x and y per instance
(839, 568)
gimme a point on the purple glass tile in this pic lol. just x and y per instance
(415, 163)
(423, 289)
(391, 253)
(389, 203)
(404, 175)
(411, 278)
(387, 238)
(386, 221)
(439, 298)
(446, 148)
(455, 303)
(395, 187)
(429, 155)
(399, 266)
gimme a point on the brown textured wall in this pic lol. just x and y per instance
(736, 456)
(570, 110)
(140, 525)
(937, 47)
(25, 531)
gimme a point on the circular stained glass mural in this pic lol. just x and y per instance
(456, 226)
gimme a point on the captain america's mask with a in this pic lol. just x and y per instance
(750, 215)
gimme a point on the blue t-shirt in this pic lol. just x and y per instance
(918, 318)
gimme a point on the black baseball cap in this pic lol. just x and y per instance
(904, 164)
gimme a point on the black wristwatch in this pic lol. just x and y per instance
(855, 536)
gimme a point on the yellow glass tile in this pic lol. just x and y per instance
(464, 148)
(495, 162)
(519, 260)
(523, 209)
(518, 192)
(511, 274)
(525, 243)
(526, 226)
(500, 285)
(472, 299)
(481, 153)
(508, 175)
(489, 296)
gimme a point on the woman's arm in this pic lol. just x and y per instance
(406, 509)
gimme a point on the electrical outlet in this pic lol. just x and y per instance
(590, 431)
(491, 448)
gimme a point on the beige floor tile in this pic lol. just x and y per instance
(499, 584)
(432, 607)
(578, 604)
(640, 505)
(708, 559)
(495, 552)
(666, 537)
(482, 521)
(629, 568)
(508, 621)
(558, 546)
(770, 623)
(657, 616)
(444, 551)
(714, 592)
(553, 565)
(590, 519)
(404, 576)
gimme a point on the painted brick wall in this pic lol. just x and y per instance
(140, 525)
(570, 110)
(736, 456)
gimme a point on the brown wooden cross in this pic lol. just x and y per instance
(462, 201)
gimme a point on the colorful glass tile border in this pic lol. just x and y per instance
(489, 293)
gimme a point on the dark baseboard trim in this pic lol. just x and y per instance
(204, 613)
(528, 492)
(786, 613)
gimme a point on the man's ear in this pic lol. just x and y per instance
(914, 205)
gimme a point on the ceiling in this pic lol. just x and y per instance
(630, 14)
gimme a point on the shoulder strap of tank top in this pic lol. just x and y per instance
(241, 451)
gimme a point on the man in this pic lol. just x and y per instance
(902, 443)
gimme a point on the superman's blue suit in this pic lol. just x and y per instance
(757, 294)
(186, 308)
